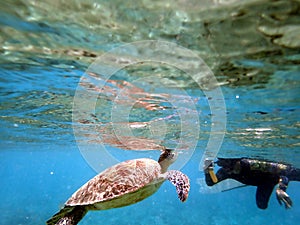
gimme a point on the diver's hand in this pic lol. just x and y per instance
(282, 196)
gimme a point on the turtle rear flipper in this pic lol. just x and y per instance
(181, 182)
(69, 215)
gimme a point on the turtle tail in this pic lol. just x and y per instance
(69, 215)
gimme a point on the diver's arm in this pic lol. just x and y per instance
(293, 174)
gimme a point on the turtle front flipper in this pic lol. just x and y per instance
(69, 215)
(181, 182)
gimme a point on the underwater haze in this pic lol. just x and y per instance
(63, 120)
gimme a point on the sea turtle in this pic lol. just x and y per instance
(123, 184)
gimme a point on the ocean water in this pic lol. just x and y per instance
(86, 84)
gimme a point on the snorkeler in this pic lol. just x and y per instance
(263, 174)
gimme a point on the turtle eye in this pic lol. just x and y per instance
(172, 155)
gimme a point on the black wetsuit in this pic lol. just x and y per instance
(263, 174)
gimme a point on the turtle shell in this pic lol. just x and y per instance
(120, 185)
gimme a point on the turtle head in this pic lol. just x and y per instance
(166, 158)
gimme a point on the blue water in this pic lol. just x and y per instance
(43, 61)
(36, 180)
